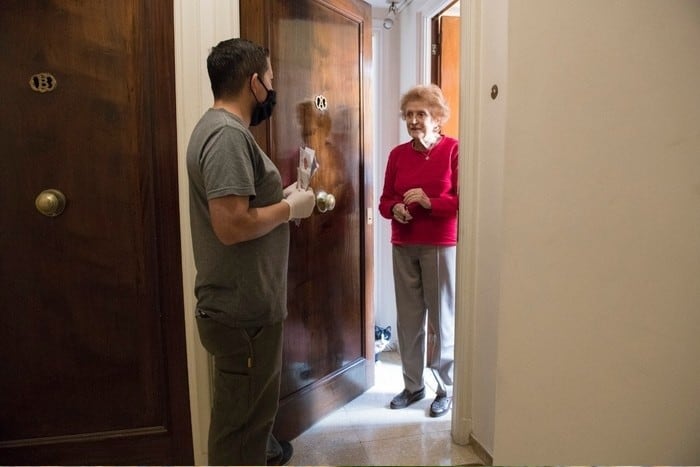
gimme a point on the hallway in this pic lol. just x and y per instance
(367, 432)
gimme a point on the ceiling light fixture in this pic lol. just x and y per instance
(388, 22)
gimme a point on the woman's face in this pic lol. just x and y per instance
(419, 122)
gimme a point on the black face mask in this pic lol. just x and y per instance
(263, 110)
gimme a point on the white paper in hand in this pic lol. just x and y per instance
(307, 166)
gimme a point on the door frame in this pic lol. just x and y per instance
(469, 132)
(414, 38)
(198, 26)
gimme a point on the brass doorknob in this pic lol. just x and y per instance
(325, 201)
(51, 202)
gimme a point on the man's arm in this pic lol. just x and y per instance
(234, 221)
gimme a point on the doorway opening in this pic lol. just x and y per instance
(393, 72)
(412, 52)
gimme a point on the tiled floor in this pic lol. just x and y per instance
(367, 432)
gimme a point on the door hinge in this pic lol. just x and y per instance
(435, 49)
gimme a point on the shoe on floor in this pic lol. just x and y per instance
(283, 457)
(440, 406)
(406, 398)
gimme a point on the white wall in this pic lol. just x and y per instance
(600, 300)
(485, 58)
(385, 76)
(198, 26)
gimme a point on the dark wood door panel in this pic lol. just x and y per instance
(320, 53)
(325, 322)
(96, 330)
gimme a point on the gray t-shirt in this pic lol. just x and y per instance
(241, 285)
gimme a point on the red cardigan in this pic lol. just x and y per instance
(437, 176)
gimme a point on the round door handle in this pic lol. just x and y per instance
(51, 202)
(324, 201)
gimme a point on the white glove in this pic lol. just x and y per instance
(294, 186)
(301, 203)
(288, 191)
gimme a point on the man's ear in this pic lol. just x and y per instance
(253, 78)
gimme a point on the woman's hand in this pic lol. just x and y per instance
(401, 213)
(417, 195)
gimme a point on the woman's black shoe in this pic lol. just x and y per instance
(406, 398)
(440, 406)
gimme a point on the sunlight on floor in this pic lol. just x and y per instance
(367, 432)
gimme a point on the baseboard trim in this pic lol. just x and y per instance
(302, 409)
(480, 451)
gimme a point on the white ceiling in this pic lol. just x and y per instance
(383, 3)
(400, 4)
(378, 3)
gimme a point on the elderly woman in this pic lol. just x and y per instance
(420, 198)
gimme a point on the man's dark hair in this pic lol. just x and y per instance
(232, 62)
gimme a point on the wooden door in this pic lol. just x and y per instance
(321, 56)
(92, 335)
(445, 66)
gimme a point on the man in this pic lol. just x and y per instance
(240, 234)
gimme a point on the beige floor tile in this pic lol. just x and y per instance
(349, 455)
(327, 438)
(426, 449)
